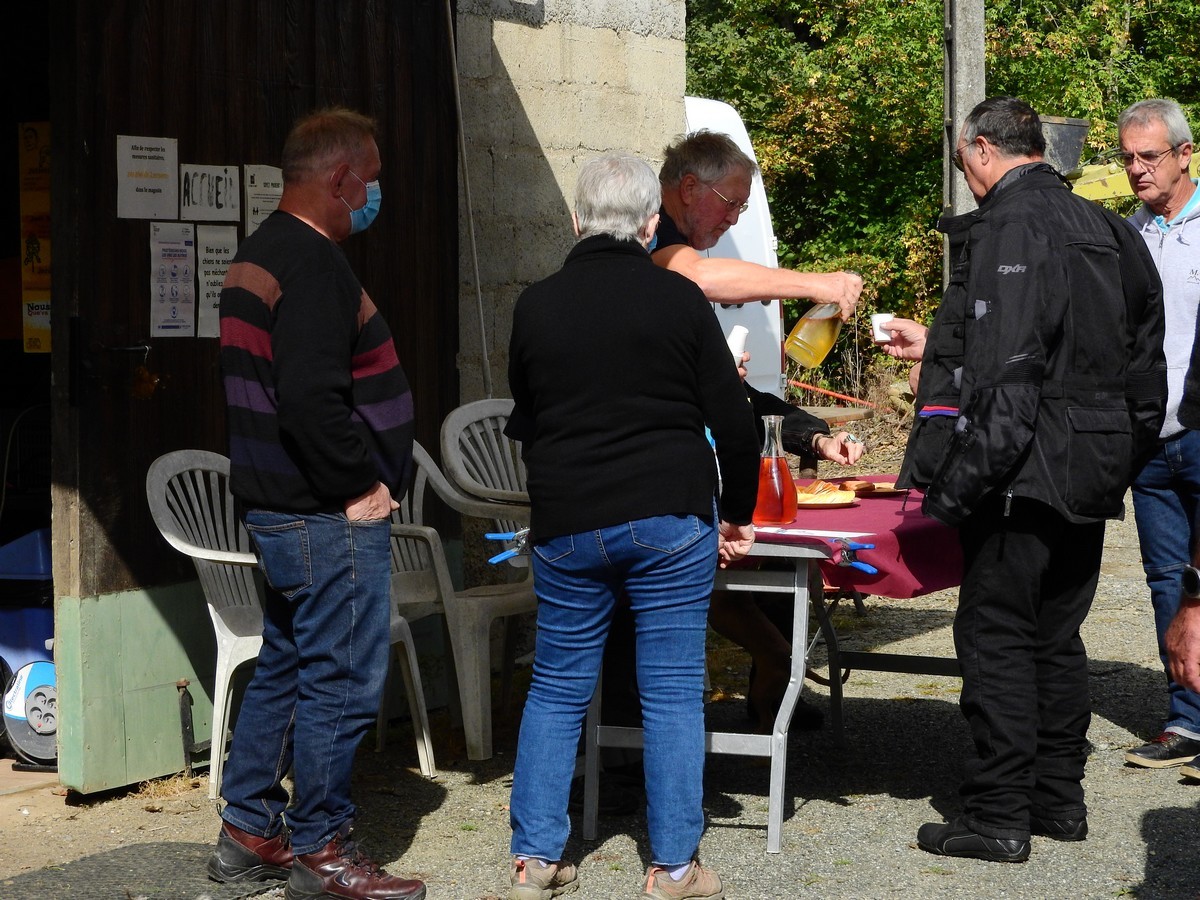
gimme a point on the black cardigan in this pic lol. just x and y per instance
(616, 367)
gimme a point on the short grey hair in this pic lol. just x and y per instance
(1147, 112)
(616, 195)
(1011, 125)
(709, 155)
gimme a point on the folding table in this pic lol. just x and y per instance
(914, 556)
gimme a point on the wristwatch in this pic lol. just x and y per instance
(1191, 582)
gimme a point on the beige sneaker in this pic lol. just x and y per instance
(533, 880)
(697, 883)
(1191, 770)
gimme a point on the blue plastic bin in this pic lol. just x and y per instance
(26, 614)
(24, 631)
(27, 558)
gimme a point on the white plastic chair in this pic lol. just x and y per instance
(405, 649)
(421, 584)
(188, 492)
(479, 458)
(190, 502)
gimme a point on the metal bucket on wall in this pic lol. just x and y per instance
(1064, 141)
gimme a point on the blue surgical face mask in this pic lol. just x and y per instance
(361, 219)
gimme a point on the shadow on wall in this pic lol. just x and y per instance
(533, 13)
(521, 221)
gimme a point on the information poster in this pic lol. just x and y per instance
(210, 193)
(215, 247)
(264, 187)
(172, 279)
(34, 160)
(35, 321)
(147, 177)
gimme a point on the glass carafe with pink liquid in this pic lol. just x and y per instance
(776, 503)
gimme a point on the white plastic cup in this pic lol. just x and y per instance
(877, 331)
(737, 341)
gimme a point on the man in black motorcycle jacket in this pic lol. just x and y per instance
(1041, 394)
(1043, 374)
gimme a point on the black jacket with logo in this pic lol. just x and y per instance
(1043, 375)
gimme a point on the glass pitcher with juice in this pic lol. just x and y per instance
(814, 335)
(776, 504)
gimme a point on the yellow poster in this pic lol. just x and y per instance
(34, 177)
(35, 321)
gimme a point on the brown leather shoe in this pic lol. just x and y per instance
(342, 871)
(241, 856)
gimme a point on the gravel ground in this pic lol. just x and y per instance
(849, 831)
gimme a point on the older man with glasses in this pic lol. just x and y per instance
(1156, 150)
(706, 181)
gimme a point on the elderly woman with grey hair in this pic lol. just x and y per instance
(616, 367)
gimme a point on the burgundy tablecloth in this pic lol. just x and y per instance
(914, 554)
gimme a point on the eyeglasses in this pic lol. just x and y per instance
(1150, 161)
(732, 204)
(956, 156)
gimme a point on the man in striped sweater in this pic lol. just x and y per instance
(320, 441)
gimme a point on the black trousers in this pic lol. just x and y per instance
(1028, 582)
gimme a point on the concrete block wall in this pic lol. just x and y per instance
(546, 85)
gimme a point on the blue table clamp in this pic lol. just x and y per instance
(519, 539)
(845, 553)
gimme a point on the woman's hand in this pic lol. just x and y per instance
(742, 365)
(734, 542)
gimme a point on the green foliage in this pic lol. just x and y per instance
(1091, 60)
(843, 102)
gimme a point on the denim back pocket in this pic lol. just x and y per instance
(555, 548)
(283, 555)
(666, 534)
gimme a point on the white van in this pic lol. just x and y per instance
(753, 239)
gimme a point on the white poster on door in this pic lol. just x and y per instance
(215, 247)
(263, 187)
(147, 169)
(172, 279)
(210, 193)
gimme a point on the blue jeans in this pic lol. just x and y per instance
(317, 684)
(1166, 505)
(665, 564)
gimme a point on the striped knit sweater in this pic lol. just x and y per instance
(319, 407)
